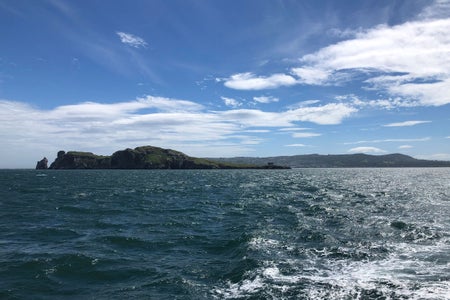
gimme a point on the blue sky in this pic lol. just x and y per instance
(224, 78)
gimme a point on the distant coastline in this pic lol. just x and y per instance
(150, 157)
(359, 160)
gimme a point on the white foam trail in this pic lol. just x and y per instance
(241, 289)
(402, 274)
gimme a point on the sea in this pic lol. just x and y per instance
(225, 234)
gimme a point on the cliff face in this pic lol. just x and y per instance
(146, 157)
(42, 164)
(80, 160)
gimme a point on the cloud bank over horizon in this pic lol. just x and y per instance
(171, 123)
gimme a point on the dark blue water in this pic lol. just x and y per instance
(225, 234)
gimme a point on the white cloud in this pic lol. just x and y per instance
(411, 60)
(328, 114)
(405, 147)
(172, 123)
(305, 134)
(390, 141)
(98, 111)
(389, 49)
(265, 99)
(312, 76)
(389, 103)
(438, 9)
(296, 145)
(131, 40)
(406, 123)
(435, 93)
(366, 150)
(249, 81)
(255, 118)
(168, 104)
(231, 102)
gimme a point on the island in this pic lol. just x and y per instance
(145, 157)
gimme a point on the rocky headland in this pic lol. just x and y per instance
(145, 157)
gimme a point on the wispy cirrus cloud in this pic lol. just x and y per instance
(131, 40)
(406, 123)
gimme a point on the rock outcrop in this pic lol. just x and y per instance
(42, 164)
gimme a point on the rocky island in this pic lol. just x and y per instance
(145, 157)
(42, 164)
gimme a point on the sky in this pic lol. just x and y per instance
(219, 78)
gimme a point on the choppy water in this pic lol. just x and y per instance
(225, 234)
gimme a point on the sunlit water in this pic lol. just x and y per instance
(225, 234)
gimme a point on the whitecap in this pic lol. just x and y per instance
(241, 289)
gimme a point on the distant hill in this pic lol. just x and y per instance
(145, 157)
(338, 161)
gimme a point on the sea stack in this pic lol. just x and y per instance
(42, 164)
